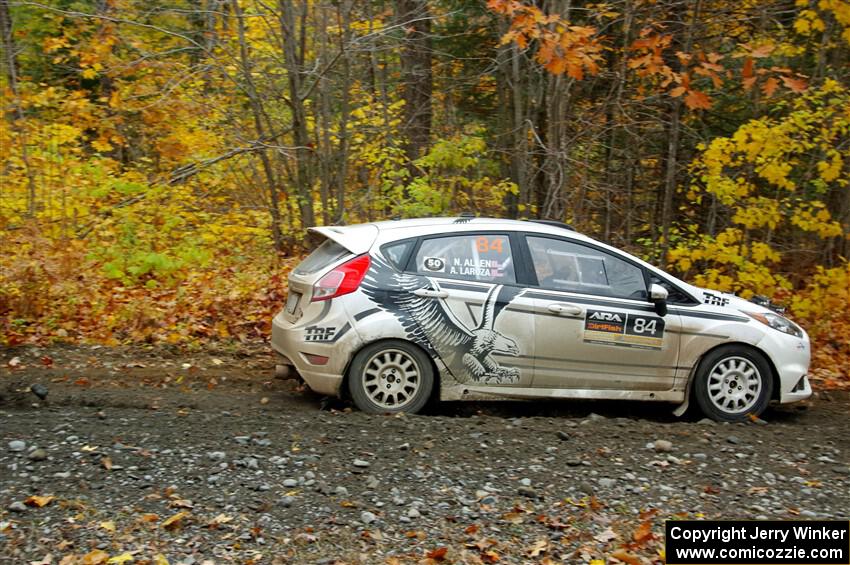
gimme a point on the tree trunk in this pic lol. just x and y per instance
(294, 45)
(416, 76)
(10, 64)
(257, 115)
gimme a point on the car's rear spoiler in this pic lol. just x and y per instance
(357, 239)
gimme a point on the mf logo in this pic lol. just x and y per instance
(607, 316)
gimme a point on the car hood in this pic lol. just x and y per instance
(725, 301)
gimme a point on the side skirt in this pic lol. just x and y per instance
(477, 392)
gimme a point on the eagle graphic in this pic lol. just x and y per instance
(467, 352)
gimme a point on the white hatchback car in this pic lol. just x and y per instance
(464, 308)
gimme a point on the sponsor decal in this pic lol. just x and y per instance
(714, 299)
(429, 322)
(626, 330)
(435, 264)
(317, 333)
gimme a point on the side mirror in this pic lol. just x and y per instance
(658, 296)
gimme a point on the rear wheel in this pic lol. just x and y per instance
(390, 376)
(733, 383)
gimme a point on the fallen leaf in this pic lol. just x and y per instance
(107, 463)
(39, 501)
(123, 558)
(159, 559)
(175, 522)
(537, 548)
(643, 533)
(471, 529)
(148, 518)
(437, 554)
(108, 526)
(181, 503)
(605, 536)
(95, 557)
(219, 520)
(264, 400)
(626, 557)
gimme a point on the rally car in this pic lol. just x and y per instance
(395, 313)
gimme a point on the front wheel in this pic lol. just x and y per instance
(732, 384)
(390, 376)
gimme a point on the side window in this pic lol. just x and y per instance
(397, 252)
(573, 267)
(485, 258)
(674, 295)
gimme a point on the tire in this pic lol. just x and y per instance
(733, 383)
(390, 376)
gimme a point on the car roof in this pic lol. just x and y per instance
(464, 223)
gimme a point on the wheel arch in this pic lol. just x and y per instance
(774, 373)
(435, 392)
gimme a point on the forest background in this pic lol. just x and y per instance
(159, 160)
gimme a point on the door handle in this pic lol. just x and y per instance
(566, 309)
(428, 293)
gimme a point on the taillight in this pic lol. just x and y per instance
(341, 280)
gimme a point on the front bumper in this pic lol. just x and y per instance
(291, 340)
(791, 357)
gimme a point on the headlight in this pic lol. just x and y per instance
(777, 322)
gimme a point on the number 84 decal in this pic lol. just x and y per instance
(628, 330)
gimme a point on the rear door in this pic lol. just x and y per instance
(595, 328)
(484, 328)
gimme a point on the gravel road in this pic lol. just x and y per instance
(185, 457)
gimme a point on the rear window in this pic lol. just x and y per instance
(485, 258)
(327, 253)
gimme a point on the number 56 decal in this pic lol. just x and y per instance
(627, 330)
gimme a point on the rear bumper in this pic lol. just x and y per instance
(297, 342)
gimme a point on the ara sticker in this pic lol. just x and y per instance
(627, 330)
(435, 264)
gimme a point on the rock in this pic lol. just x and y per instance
(607, 483)
(367, 517)
(17, 445)
(841, 470)
(290, 483)
(216, 455)
(341, 491)
(413, 513)
(663, 446)
(17, 507)
(404, 447)
(527, 492)
(286, 501)
(360, 463)
(707, 422)
(62, 475)
(573, 462)
(562, 435)
(526, 482)
(733, 440)
(37, 455)
(39, 390)
(372, 483)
